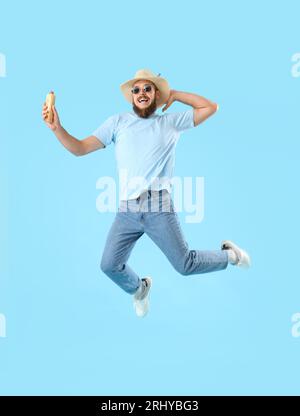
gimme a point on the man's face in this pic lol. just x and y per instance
(144, 102)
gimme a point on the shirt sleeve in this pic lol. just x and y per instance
(183, 120)
(107, 130)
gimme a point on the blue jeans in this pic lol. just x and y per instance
(153, 213)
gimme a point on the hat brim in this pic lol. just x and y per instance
(161, 84)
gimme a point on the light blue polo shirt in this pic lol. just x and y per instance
(144, 148)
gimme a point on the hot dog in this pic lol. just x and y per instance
(50, 102)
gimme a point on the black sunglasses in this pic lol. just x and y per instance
(147, 88)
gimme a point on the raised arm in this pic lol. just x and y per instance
(75, 146)
(203, 108)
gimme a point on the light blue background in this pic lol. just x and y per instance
(70, 330)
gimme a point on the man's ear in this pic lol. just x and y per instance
(157, 93)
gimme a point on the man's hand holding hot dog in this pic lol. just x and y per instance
(56, 122)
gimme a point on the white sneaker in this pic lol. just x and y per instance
(141, 297)
(243, 258)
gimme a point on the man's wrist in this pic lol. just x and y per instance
(176, 94)
(58, 129)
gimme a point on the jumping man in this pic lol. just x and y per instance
(145, 152)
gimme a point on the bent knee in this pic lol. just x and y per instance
(181, 269)
(108, 266)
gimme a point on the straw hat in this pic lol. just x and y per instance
(146, 74)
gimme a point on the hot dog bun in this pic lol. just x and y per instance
(50, 101)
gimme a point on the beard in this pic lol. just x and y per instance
(145, 112)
